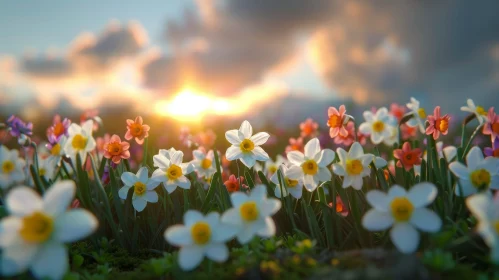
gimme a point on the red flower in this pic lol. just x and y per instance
(408, 131)
(116, 150)
(341, 208)
(407, 157)
(349, 138)
(397, 111)
(438, 124)
(233, 185)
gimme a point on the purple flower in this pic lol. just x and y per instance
(18, 127)
(494, 151)
(58, 128)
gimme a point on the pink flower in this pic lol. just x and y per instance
(438, 124)
(341, 208)
(232, 184)
(206, 139)
(362, 138)
(408, 131)
(337, 121)
(116, 150)
(295, 145)
(407, 157)
(349, 138)
(491, 127)
(101, 142)
(397, 111)
(137, 130)
(308, 128)
(58, 129)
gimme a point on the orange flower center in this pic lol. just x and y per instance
(442, 125)
(339, 207)
(205, 163)
(136, 129)
(495, 127)
(308, 129)
(334, 121)
(114, 148)
(378, 126)
(58, 129)
(232, 186)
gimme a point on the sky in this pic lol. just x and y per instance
(187, 59)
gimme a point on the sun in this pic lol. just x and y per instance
(189, 105)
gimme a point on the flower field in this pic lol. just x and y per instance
(382, 196)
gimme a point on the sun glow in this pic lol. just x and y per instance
(192, 106)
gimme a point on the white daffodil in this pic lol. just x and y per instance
(171, 172)
(56, 151)
(272, 166)
(33, 236)
(200, 236)
(393, 138)
(405, 211)
(479, 175)
(293, 184)
(313, 164)
(245, 145)
(479, 111)
(11, 167)
(80, 141)
(486, 210)
(163, 153)
(353, 166)
(418, 115)
(143, 188)
(380, 162)
(251, 214)
(46, 167)
(257, 167)
(379, 125)
(204, 163)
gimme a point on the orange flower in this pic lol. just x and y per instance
(295, 145)
(407, 158)
(337, 121)
(232, 184)
(206, 138)
(341, 208)
(137, 130)
(116, 150)
(308, 128)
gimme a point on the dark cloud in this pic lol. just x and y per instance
(46, 67)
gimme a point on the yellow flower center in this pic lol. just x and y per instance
(290, 182)
(173, 172)
(79, 142)
(309, 167)
(42, 171)
(249, 211)
(354, 167)
(378, 126)
(201, 233)
(56, 150)
(442, 125)
(402, 209)
(37, 227)
(247, 146)
(496, 226)
(481, 111)
(480, 179)
(139, 188)
(272, 169)
(8, 166)
(205, 163)
(422, 113)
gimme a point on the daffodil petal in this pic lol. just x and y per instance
(129, 179)
(233, 137)
(178, 235)
(139, 204)
(460, 170)
(422, 194)
(191, 217)
(269, 229)
(58, 197)
(260, 138)
(217, 252)
(246, 129)
(426, 220)
(75, 225)
(151, 196)
(296, 158)
(233, 153)
(312, 148)
(260, 154)
(405, 237)
(23, 201)
(51, 262)
(190, 257)
(378, 199)
(375, 220)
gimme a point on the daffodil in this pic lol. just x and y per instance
(313, 164)
(405, 212)
(199, 237)
(486, 210)
(245, 145)
(171, 172)
(379, 125)
(479, 175)
(46, 168)
(163, 153)
(143, 188)
(204, 163)
(418, 115)
(478, 111)
(293, 182)
(56, 149)
(80, 140)
(33, 236)
(353, 166)
(251, 214)
(11, 167)
(272, 166)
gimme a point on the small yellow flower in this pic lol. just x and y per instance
(335, 262)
